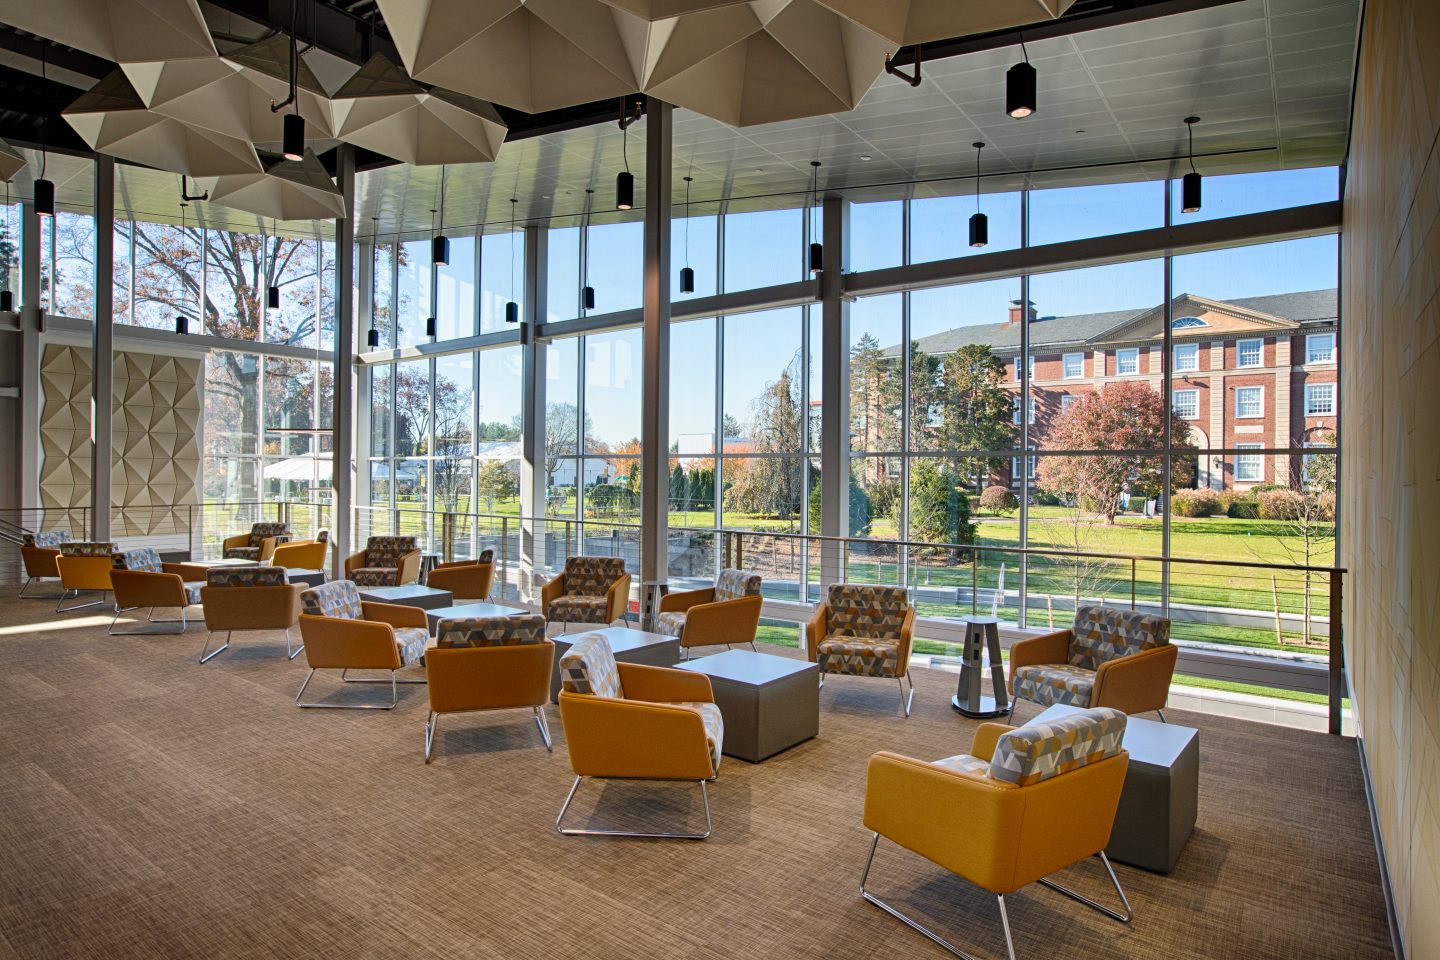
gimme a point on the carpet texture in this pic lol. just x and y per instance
(151, 807)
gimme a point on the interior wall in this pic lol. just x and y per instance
(1390, 436)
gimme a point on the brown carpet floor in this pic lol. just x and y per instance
(151, 807)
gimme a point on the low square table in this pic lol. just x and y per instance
(629, 646)
(769, 703)
(409, 595)
(1161, 796)
(462, 611)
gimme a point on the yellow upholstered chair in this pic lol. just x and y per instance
(249, 598)
(1026, 802)
(726, 613)
(39, 551)
(593, 590)
(84, 566)
(864, 631)
(343, 633)
(387, 561)
(1110, 658)
(628, 721)
(256, 545)
(489, 663)
(465, 579)
(139, 579)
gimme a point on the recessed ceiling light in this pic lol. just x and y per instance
(866, 156)
(1079, 131)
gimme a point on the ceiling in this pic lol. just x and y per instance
(1270, 79)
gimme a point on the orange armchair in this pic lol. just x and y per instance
(256, 545)
(385, 562)
(301, 555)
(726, 613)
(489, 663)
(635, 722)
(1110, 658)
(249, 598)
(343, 633)
(593, 590)
(465, 579)
(84, 565)
(1033, 800)
(39, 551)
(139, 579)
(864, 631)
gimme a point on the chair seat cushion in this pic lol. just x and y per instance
(1052, 683)
(376, 577)
(577, 609)
(714, 729)
(964, 763)
(412, 642)
(671, 623)
(192, 592)
(242, 553)
(858, 656)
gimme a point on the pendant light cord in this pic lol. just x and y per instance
(513, 201)
(687, 220)
(44, 118)
(1025, 53)
(1191, 128)
(978, 148)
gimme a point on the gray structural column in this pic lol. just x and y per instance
(31, 320)
(364, 312)
(532, 416)
(834, 391)
(342, 422)
(655, 420)
(102, 384)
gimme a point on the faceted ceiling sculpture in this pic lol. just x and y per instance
(119, 30)
(662, 9)
(11, 162)
(382, 109)
(289, 190)
(904, 22)
(267, 65)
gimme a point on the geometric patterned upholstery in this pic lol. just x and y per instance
(671, 623)
(589, 667)
(486, 556)
(376, 576)
(578, 609)
(411, 642)
(85, 548)
(258, 533)
(49, 539)
(592, 576)
(246, 577)
(338, 599)
(1052, 683)
(322, 535)
(490, 631)
(858, 656)
(1039, 751)
(242, 553)
(734, 584)
(141, 559)
(867, 611)
(387, 551)
(965, 763)
(714, 723)
(1102, 634)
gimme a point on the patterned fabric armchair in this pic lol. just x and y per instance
(489, 663)
(342, 632)
(39, 551)
(258, 544)
(465, 579)
(139, 579)
(635, 722)
(249, 598)
(1047, 794)
(1110, 658)
(726, 613)
(83, 566)
(591, 590)
(385, 562)
(865, 631)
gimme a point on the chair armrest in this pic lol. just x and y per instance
(145, 588)
(1136, 683)
(452, 564)
(395, 614)
(815, 630)
(332, 642)
(685, 599)
(267, 548)
(180, 569)
(409, 567)
(664, 684)
(239, 540)
(727, 621)
(1051, 648)
(986, 736)
(617, 599)
(907, 640)
(634, 739)
(354, 562)
(553, 590)
(965, 822)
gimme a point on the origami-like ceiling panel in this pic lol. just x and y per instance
(267, 65)
(119, 30)
(922, 21)
(290, 190)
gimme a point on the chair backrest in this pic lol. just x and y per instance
(589, 667)
(322, 535)
(87, 548)
(246, 577)
(1102, 634)
(592, 576)
(490, 631)
(386, 551)
(48, 539)
(733, 584)
(1039, 751)
(142, 559)
(338, 598)
(486, 556)
(867, 611)
(270, 528)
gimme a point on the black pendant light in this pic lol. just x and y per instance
(182, 323)
(817, 251)
(439, 243)
(292, 143)
(1020, 86)
(587, 292)
(272, 292)
(687, 276)
(292, 136)
(512, 309)
(625, 180)
(44, 189)
(430, 327)
(1190, 184)
(7, 299)
(979, 223)
(372, 338)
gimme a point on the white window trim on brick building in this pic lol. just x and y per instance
(1015, 411)
(1187, 357)
(1077, 372)
(1186, 404)
(1127, 361)
(1067, 400)
(1319, 399)
(1030, 363)
(1249, 467)
(1242, 405)
(1258, 344)
(1328, 356)
(1015, 467)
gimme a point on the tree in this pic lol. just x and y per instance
(562, 435)
(1124, 416)
(496, 481)
(861, 510)
(974, 410)
(939, 509)
(771, 486)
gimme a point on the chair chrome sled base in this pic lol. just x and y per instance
(576, 832)
(149, 618)
(291, 651)
(433, 721)
(75, 595)
(907, 699)
(321, 705)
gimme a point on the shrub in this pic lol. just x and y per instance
(1260, 488)
(999, 499)
(1043, 498)
(1195, 503)
(1280, 504)
(1241, 507)
(1326, 503)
